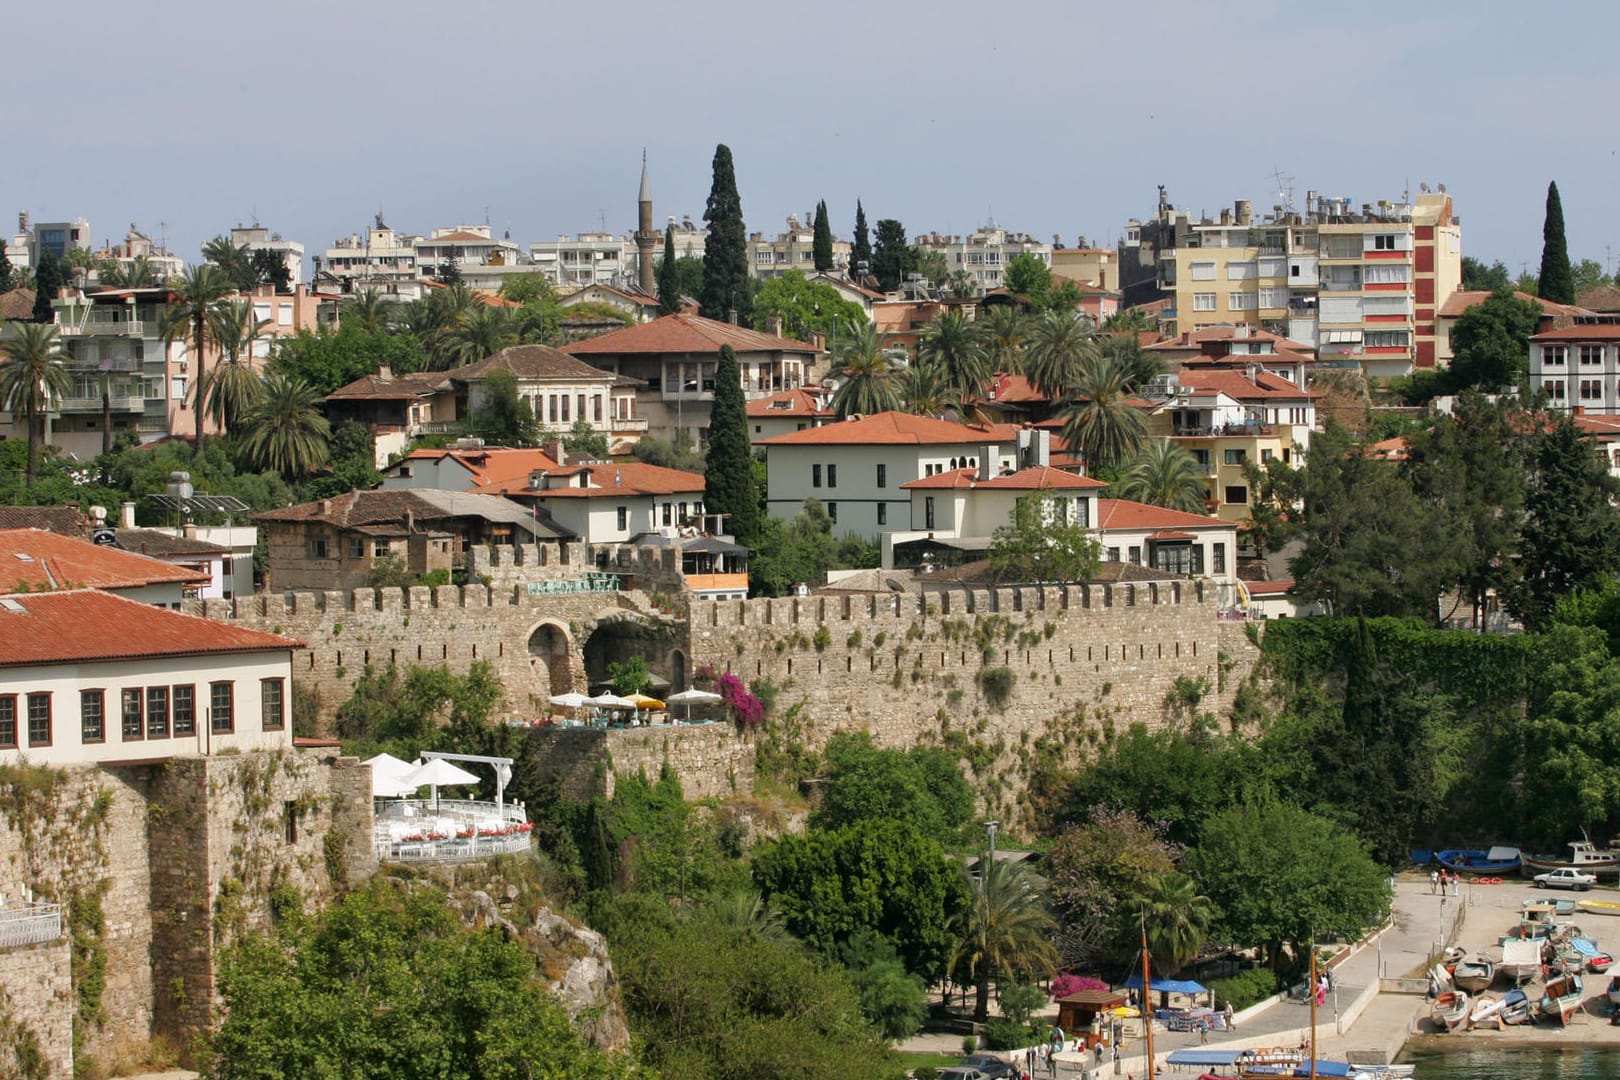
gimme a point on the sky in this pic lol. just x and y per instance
(1043, 116)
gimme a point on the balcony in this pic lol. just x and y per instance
(29, 924)
(628, 426)
(118, 402)
(1193, 431)
(104, 328)
(448, 830)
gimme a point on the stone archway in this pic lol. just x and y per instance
(550, 653)
(619, 636)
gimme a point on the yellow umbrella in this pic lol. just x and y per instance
(642, 701)
(1127, 1011)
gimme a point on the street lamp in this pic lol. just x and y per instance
(991, 827)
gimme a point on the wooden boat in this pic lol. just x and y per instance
(1516, 1007)
(1600, 963)
(1486, 1006)
(1599, 907)
(1474, 973)
(1583, 855)
(1561, 998)
(1521, 961)
(1450, 1009)
(1475, 863)
(1614, 991)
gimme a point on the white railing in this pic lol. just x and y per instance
(454, 830)
(29, 924)
(476, 847)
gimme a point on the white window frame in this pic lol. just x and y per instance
(1203, 301)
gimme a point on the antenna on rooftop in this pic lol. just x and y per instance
(1285, 189)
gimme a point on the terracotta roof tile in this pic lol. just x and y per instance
(86, 625)
(532, 362)
(1034, 478)
(1463, 299)
(620, 479)
(790, 403)
(1226, 332)
(157, 544)
(894, 429)
(32, 560)
(1601, 298)
(685, 334)
(17, 304)
(1237, 386)
(1125, 514)
(497, 470)
(66, 520)
(1269, 588)
(394, 388)
(1582, 332)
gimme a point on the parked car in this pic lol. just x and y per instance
(987, 1065)
(1566, 877)
(956, 1072)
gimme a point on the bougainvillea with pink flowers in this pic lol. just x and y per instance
(748, 709)
(1066, 984)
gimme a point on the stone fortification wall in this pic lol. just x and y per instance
(711, 760)
(36, 1010)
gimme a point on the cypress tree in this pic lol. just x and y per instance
(894, 257)
(725, 252)
(728, 474)
(669, 279)
(861, 250)
(5, 270)
(823, 239)
(48, 277)
(1556, 283)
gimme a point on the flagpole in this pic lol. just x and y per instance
(1147, 1000)
(1312, 989)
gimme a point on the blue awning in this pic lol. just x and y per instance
(1202, 1059)
(1172, 986)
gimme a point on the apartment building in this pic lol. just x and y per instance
(1094, 266)
(1578, 366)
(380, 256)
(792, 249)
(466, 247)
(1360, 285)
(984, 254)
(256, 238)
(33, 239)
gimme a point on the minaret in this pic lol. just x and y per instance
(646, 238)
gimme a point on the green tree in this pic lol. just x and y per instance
(921, 788)
(353, 456)
(1555, 281)
(1163, 474)
(1028, 276)
(585, 441)
(729, 486)
(1282, 875)
(669, 454)
(484, 332)
(1477, 276)
(930, 391)
(931, 264)
(1005, 932)
(1491, 343)
(1176, 918)
(955, 344)
(7, 276)
(234, 385)
(669, 286)
(234, 261)
(1044, 543)
(370, 310)
(49, 277)
(1141, 366)
(892, 257)
(530, 288)
(283, 430)
(269, 268)
(822, 239)
(805, 307)
(725, 252)
(1094, 869)
(869, 382)
(1098, 417)
(194, 297)
(1571, 532)
(32, 380)
(860, 248)
(1275, 491)
(1056, 347)
(502, 416)
(328, 358)
(363, 990)
(1588, 274)
(1006, 329)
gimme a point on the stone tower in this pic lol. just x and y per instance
(646, 237)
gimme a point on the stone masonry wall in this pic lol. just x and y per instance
(711, 760)
(36, 1008)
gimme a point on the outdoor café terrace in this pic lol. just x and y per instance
(408, 829)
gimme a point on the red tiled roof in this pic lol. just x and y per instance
(1171, 534)
(1033, 478)
(18, 304)
(1269, 588)
(1010, 389)
(1395, 449)
(790, 403)
(895, 429)
(1125, 514)
(497, 470)
(1463, 299)
(32, 559)
(620, 479)
(684, 334)
(532, 362)
(394, 388)
(460, 236)
(87, 625)
(1582, 332)
(1237, 386)
(57, 519)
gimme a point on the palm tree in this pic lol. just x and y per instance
(1177, 920)
(1005, 328)
(1059, 345)
(871, 384)
(1140, 365)
(928, 391)
(371, 310)
(957, 346)
(746, 909)
(234, 385)
(1164, 474)
(1098, 419)
(232, 260)
(284, 432)
(484, 331)
(198, 290)
(962, 285)
(1003, 932)
(1126, 321)
(32, 378)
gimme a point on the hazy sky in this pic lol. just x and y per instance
(1050, 116)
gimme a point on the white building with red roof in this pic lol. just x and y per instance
(33, 560)
(788, 411)
(492, 470)
(857, 467)
(88, 677)
(615, 502)
(1578, 366)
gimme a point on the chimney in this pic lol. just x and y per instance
(410, 522)
(731, 316)
(987, 462)
(326, 507)
(554, 450)
(774, 325)
(385, 373)
(126, 515)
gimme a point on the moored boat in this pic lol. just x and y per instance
(1614, 991)
(1561, 998)
(1600, 963)
(1450, 1009)
(1583, 855)
(1486, 1006)
(1521, 961)
(1473, 862)
(1599, 907)
(1516, 1007)
(1474, 973)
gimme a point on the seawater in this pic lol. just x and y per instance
(1573, 1063)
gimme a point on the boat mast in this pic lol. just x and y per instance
(1147, 1000)
(1312, 990)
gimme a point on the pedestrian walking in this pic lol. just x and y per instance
(1203, 1032)
(1231, 1024)
(1434, 880)
(1456, 884)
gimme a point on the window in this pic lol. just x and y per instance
(1554, 355)
(832, 476)
(39, 719)
(1113, 554)
(1203, 301)
(1554, 388)
(185, 710)
(1591, 389)
(1591, 355)
(222, 708)
(928, 512)
(1242, 301)
(157, 712)
(1234, 457)
(883, 513)
(668, 513)
(1266, 454)
(317, 548)
(623, 514)
(1237, 495)
(381, 549)
(272, 704)
(1388, 274)
(1273, 298)
(1082, 511)
(1136, 555)
(1218, 557)
(1202, 271)
(134, 714)
(882, 476)
(8, 721)
(92, 716)
(832, 512)
(815, 476)
(1241, 271)
(1383, 242)
(1183, 559)
(1388, 339)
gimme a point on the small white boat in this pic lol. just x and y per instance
(1474, 973)
(1450, 1009)
(1562, 997)
(1516, 1007)
(1521, 961)
(1486, 1006)
(1599, 907)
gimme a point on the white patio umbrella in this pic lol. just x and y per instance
(690, 698)
(388, 776)
(612, 701)
(570, 700)
(436, 772)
